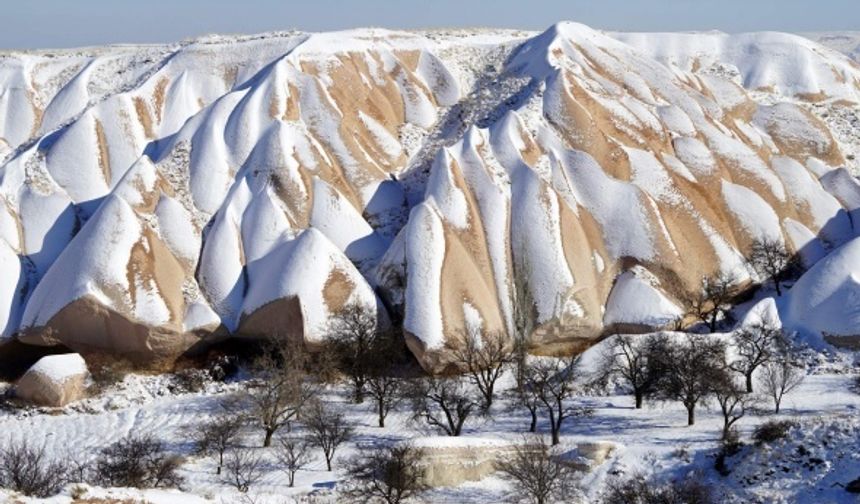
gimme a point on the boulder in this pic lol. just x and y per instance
(55, 380)
(450, 461)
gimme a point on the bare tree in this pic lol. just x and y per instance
(734, 401)
(352, 332)
(391, 474)
(444, 403)
(483, 358)
(384, 385)
(243, 468)
(636, 360)
(535, 473)
(328, 428)
(281, 389)
(293, 454)
(138, 462)
(692, 368)
(552, 383)
(713, 301)
(217, 435)
(524, 396)
(756, 344)
(28, 470)
(779, 377)
(770, 259)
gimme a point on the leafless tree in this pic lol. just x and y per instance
(779, 377)
(281, 387)
(293, 453)
(523, 396)
(443, 402)
(217, 435)
(27, 469)
(734, 401)
(692, 368)
(243, 468)
(390, 474)
(328, 428)
(552, 383)
(138, 461)
(713, 301)
(352, 333)
(535, 473)
(756, 344)
(770, 259)
(483, 358)
(636, 360)
(384, 385)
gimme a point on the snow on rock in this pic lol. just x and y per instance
(55, 380)
(315, 280)
(826, 299)
(155, 195)
(635, 300)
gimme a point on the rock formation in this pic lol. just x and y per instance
(156, 198)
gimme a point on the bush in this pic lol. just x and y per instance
(188, 381)
(243, 468)
(106, 373)
(139, 462)
(391, 474)
(772, 430)
(638, 490)
(27, 470)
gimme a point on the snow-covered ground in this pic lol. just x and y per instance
(653, 441)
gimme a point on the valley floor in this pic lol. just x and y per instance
(653, 441)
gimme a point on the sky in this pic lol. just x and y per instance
(27, 24)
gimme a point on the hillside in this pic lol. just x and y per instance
(160, 197)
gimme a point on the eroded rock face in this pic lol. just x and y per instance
(55, 380)
(255, 185)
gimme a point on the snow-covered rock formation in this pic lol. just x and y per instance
(55, 380)
(156, 197)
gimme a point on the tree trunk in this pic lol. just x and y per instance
(381, 410)
(555, 439)
(776, 404)
(638, 399)
(749, 382)
(776, 284)
(220, 463)
(267, 442)
(533, 426)
(691, 415)
(328, 463)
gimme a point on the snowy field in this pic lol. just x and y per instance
(653, 441)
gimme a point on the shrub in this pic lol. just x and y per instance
(638, 490)
(772, 430)
(188, 381)
(137, 461)
(536, 475)
(243, 468)
(392, 474)
(27, 470)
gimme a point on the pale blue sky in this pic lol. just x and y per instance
(66, 23)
